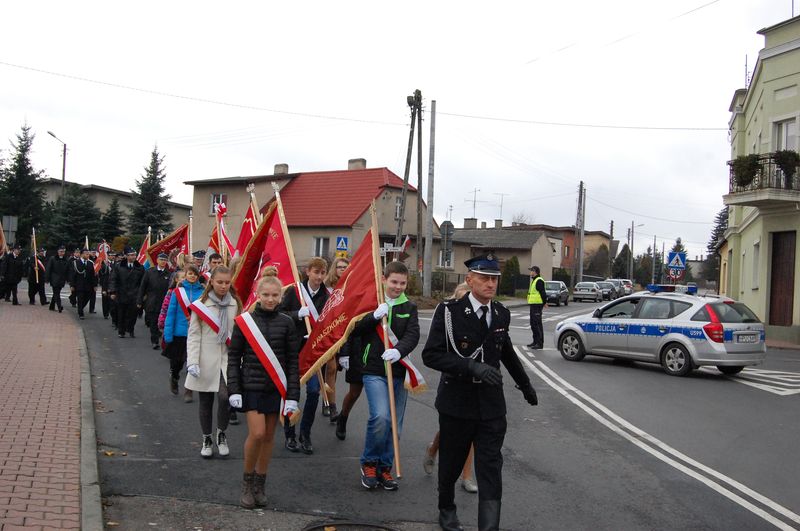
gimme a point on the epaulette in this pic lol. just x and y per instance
(498, 303)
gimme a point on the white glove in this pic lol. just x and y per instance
(391, 355)
(291, 406)
(345, 363)
(381, 310)
(194, 370)
(303, 312)
(235, 401)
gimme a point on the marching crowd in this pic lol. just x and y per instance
(246, 359)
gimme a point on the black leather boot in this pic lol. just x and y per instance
(448, 520)
(489, 515)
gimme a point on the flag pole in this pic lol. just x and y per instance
(384, 324)
(190, 232)
(35, 258)
(251, 188)
(322, 385)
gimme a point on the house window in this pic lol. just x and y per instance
(756, 248)
(321, 246)
(445, 258)
(786, 134)
(398, 203)
(217, 198)
(566, 251)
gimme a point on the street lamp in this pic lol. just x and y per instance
(630, 261)
(63, 163)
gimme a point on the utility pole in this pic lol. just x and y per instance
(579, 227)
(611, 258)
(428, 264)
(420, 244)
(399, 235)
(631, 268)
(630, 255)
(653, 276)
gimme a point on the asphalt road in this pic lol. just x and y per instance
(611, 445)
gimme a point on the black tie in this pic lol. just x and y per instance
(130, 266)
(484, 323)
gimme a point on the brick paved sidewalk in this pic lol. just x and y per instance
(40, 414)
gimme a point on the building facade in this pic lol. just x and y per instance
(759, 260)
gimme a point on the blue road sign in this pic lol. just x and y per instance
(677, 260)
(341, 243)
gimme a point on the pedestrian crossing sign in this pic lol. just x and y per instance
(677, 260)
(341, 243)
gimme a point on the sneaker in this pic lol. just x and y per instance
(305, 444)
(387, 481)
(469, 485)
(173, 385)
(233, 418)
(334, 414)
(326, 410)
(291, 445)
(369, 476)
(187, 396)
(341, 427)
(222, 443)
(208, 444)
(429, 461)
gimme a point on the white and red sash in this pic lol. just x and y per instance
(310, 303)
(265, 354)
(204, 313)
(41, 265)
(206, 274)
(183, 300)
(414, 380)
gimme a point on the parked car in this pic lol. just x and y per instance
(587, 291)
(627, 286)
(680, 331)
(557, 292)
(608, 290)
(619, 287)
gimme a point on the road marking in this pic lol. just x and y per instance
(781, 383)
(661, 450)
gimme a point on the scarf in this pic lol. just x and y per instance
(222, 304)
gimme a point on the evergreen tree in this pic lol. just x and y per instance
(74, 217)
(619, 268)
(597, 262)
(150, 207)
(21, 189)
(678, 247)
(711, 265)
(112, 221)
(509, 276)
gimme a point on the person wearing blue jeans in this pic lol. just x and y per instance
(401, 314)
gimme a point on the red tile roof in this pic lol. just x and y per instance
(334, 198)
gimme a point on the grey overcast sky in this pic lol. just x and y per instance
(233, 88)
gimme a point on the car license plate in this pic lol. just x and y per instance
(583, 290)
(747, 338)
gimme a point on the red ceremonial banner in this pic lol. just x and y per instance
(267, 247)
(142, 256)
(356, 295)
(249, 226)
(178, 240)
(102, 256)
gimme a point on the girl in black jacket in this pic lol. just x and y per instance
(252, 389)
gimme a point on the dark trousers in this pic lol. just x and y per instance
(82, 298)
(207, 408)
(126, 316)
(176, 352)
(105, 302)
(11, 292)
(309, 411)
(151, 318)
(55, 300)
(113, 310)
(455, 437)
(35, 288)
(92, 301)
(73, 298)
(536, 324)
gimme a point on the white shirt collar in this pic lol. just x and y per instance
(476, 304)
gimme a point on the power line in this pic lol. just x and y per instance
(652, 217)
(593, 126)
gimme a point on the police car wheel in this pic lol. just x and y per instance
(675, 360)
(571, 347)
(730, 370)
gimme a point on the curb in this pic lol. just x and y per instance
(91, 506)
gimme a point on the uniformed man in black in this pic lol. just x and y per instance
(84, 281)
(151, 295)
(36, 268)
(124, 287)
(11, 272)
(76, 255)
(56, 274)
(103, 275)
(467, 341)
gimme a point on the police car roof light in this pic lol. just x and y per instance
(671, 288)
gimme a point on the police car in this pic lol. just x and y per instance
(671, 326)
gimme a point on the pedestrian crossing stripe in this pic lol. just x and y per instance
(781, 383)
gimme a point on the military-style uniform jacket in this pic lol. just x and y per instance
(125, 282)
(30, 269)
(153, 289)
(449, 348)
(82, 276)
(57, 271)
(12, 268)
(103, 276)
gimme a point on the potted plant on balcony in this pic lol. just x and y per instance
(787, 160)
(745, 168)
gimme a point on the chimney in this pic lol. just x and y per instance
(483, 224)
(357, 164)
(281, 169)
(498, 223)
(470, 223)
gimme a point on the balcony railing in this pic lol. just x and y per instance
(769, 176)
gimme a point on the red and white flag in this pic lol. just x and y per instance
(249, 227)
(355, 296)
(142, 256)
(102, 256)
(406, 243)
(178, 240)
(205, 314)
(414, 380)
(267, 247)
(221, 210)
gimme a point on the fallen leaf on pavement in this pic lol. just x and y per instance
(109, 453)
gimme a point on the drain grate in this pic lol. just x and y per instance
(347, 525)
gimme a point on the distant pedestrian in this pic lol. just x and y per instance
(537, 299)
(124, 288)
(207, 355)
(11, 273)
(84, 281)
(176, 324)
(103, 277)
(73, 297)
(265, 335)
(151, 294)
(56, 273)
(36, 277)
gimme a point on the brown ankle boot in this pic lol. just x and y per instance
(259, 495)
(246, 500)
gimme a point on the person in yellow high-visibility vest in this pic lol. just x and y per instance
(537, 298)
